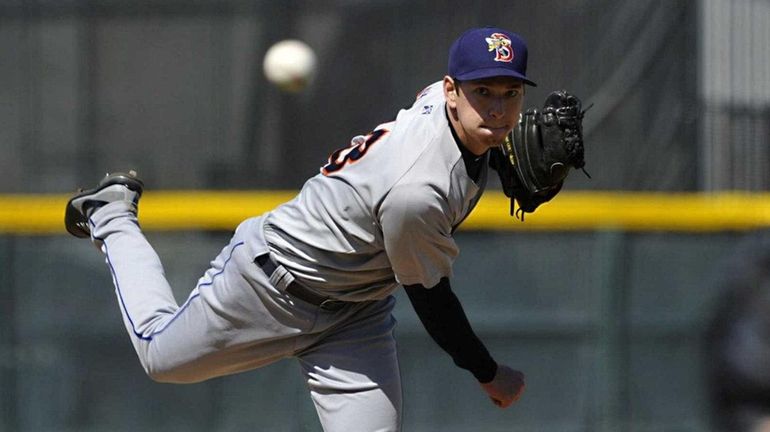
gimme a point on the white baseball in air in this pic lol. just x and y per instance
(290, 64)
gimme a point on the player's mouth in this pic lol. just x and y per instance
(503, 128)
(497, 131)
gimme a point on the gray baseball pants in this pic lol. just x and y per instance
(237, 319)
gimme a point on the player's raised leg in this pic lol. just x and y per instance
(230, 322)
(353, 373)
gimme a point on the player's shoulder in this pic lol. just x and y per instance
(433, 92)
(425, 117)
(427, 149)
(416, 199)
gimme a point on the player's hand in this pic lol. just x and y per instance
(506, 387)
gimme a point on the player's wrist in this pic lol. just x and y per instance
(485, 373)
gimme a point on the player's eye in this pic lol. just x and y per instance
(482, 91)
(512, 93)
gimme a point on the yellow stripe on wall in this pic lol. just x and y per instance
(632, 211)
(158, 210)
(629, 211)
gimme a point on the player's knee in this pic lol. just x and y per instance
(171, 375)
(161, 376)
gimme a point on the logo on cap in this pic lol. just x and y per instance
(501, 44)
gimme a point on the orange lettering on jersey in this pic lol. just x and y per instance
(348, 155)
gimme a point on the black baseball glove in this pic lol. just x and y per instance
(537, 155)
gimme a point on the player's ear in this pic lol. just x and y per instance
(450, 91)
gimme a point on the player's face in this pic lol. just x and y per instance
(484, 111)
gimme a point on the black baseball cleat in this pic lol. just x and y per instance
(113, 187)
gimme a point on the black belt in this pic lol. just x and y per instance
(298, 290)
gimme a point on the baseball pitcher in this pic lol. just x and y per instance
(313, 279)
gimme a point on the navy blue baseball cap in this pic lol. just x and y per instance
(488, 52)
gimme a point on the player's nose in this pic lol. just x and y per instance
(496, 108)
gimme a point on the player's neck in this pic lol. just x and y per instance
(458, 133)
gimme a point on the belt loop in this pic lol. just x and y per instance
(267, 265)
(295, 288)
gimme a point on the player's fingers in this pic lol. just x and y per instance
(509, 401)
(518, 394)
(502, 403)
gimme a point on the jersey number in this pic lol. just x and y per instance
(354, 152)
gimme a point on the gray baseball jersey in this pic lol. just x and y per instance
(382, 211)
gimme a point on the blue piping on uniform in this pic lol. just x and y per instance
(178, 312)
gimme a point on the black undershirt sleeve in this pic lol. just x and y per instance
(442, 315)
